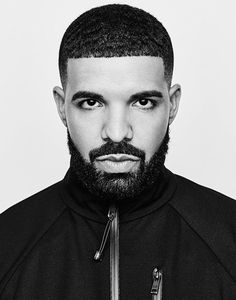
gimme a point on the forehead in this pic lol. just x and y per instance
(120, 73)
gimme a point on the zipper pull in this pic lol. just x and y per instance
(111, 215)
(156, 290)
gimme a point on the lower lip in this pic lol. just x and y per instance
(117, 166)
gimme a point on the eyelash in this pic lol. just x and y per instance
(80, 104)
(153, 102)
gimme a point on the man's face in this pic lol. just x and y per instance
(115, 100)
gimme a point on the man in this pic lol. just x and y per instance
(119, 225)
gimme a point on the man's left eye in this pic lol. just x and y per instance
(144, 104)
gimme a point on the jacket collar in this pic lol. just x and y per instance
(87, 205)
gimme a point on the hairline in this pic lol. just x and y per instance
(64, 78)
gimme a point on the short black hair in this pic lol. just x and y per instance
(116, 30)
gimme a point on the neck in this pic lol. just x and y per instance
(92, 206)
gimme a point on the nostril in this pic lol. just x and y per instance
(127, 139)
(110, 141)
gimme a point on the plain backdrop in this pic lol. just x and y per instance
(33, 152)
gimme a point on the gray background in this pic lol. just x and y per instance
(33, 152)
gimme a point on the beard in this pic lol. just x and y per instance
(117, 186)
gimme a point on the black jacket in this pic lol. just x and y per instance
(188, 232)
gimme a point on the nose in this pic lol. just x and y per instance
(117, 126)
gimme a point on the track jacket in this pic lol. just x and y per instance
(176, 241)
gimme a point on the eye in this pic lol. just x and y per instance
(89, 104)
(145, 103)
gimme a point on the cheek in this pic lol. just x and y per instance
(149, 135)
(84, 133)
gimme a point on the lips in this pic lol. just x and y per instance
(118, 157)
(117, 163)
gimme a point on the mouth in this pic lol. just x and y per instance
(117, 163)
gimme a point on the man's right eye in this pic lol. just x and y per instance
(89, 104)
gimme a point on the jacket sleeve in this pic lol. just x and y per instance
(213, 216)
(22, 225)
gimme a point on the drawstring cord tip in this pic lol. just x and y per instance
(98, 256)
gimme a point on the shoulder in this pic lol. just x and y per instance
(212, 216)
(201, 199)
(35, 209)
(23, 224)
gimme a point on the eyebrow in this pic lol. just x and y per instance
(146, 94)
(134, 97)
(86, 94)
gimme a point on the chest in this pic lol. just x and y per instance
(62, 265)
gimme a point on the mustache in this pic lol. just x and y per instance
(114, 148)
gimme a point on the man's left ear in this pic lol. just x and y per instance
(175, 94)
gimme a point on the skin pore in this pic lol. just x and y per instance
(113, 101)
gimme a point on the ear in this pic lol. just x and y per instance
(175, 94)
(59, 97)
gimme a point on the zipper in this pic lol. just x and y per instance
(112, 227)
(114, 255)
(156, 290)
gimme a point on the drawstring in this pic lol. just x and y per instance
(111, 216)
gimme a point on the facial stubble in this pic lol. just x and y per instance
(117, 186)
